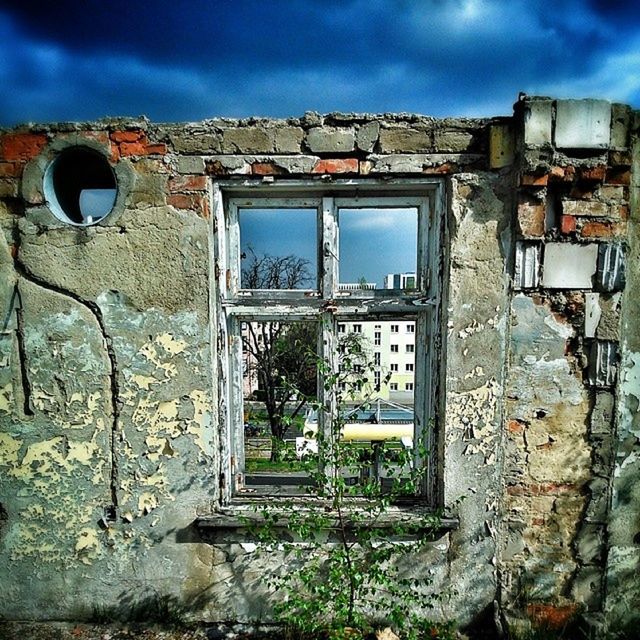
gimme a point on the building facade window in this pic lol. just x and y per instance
(393, 367)
(318, 275)
(409, 348)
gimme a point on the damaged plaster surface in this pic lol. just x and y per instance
(111, 441)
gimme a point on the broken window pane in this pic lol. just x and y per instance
(378, 247)
(279, 386)
(278, 248)
(376, 418)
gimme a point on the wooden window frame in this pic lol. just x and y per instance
(326, 304)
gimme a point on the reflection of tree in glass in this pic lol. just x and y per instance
(281, 355)
(265, 271)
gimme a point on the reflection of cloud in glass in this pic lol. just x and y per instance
(96, 203)
(371, 219)
(375, 242)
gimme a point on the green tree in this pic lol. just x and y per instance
(279, 355)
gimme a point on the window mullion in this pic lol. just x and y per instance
(328, 350)
(423, 268)
(236, 409)
(232, 277)
(329, 248)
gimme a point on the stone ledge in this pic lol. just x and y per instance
(245, 515)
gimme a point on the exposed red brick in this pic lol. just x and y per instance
(336, 165)
(623, 212)
(441, 169)
(267, 169)
(159, 149)
(114, 155)
(534, 180)
(132, 149)
(604, 229)
(21, 147)
(193, 202)
(215, 168)
(537, 522)
(562, 174)
(515, 426)
(593, 174)
(13, 250)
(567, 224)
(180, 200)
(188, 183)
(551, 616)
(619, 175)
(10, 169)
(531, 216)
(127, 136)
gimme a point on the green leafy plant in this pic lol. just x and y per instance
(349, 548)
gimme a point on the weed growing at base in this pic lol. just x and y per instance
(350, 548)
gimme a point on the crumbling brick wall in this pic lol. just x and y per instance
(109, 438)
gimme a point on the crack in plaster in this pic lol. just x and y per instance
(27, 395)
(96, 312)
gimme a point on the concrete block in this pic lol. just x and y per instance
(583, 124)
(527, 265)
(609, 326)
(501, 146)
(602, 413)
(569, 266)
(537, 122)
(592, 314)
(405, 140)
(325, 140)
(247, 140)
(611, 267)
(603, 363)
(289, 139)
(454, 141)
(367, 136)
(190, 164)
(620, 124)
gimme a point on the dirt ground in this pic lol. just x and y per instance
(73, 631)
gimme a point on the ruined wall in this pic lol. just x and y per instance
(563, 423)
(108, 414)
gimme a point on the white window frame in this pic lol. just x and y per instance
(326, 303)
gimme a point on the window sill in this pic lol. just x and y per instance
(236, 521)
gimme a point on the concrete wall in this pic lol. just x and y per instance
(108, 414)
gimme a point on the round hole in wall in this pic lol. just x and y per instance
(80, 186)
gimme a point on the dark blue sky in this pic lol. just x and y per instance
(195, 59)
